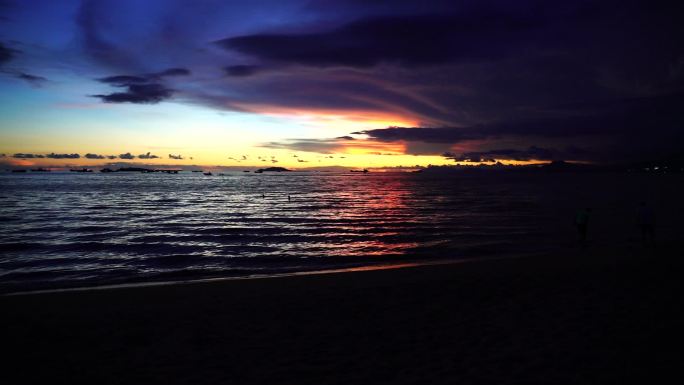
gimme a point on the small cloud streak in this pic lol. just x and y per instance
(337, 145)
(531, 153)
(32, 79)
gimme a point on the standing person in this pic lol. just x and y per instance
(646, 222)
(582, 222)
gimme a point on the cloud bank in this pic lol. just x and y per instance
(476, 79)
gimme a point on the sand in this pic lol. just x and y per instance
(603, 316)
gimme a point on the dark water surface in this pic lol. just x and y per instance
(68, 229)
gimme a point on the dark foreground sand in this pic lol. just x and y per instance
(583, 318)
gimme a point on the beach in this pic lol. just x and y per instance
(595, 316)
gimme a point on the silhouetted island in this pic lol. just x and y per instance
(272, 169)
(133, 169)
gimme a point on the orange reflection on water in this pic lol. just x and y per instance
(379, 206)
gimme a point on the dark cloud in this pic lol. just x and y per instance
(177, 157)
(90, 19)
(138, 93)
(471, 75)
(147, 156)
(126, 156)
(531, 153)
(27, 156)
(141, 89)
(622, 124)
(6, 54)
(425, 134)
(409, 41)
(33, 79)
(515, 75)
(52, 155)
(241, 70)
(94, 156)
(585, 131)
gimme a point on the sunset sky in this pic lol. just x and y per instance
(303, 83)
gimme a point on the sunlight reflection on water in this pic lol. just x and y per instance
(61, 228)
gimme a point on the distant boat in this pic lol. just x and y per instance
(80, 170)
(258, 171)
(246, 171)
(196, 170)
(363, 171)
(18, 170)
(208, 174)
(40, 169)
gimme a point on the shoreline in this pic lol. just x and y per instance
(386, 266)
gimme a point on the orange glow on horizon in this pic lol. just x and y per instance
(348, 120)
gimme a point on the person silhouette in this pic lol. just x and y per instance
(582, 223)
(646, 222)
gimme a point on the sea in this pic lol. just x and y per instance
(66, 230)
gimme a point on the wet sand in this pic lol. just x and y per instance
(587, 317)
